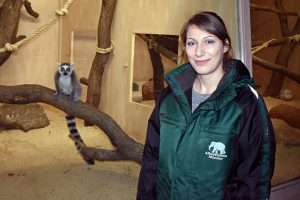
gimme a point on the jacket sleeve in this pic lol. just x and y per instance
(256, 153)
(147, 180)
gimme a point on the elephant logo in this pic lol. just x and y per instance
(216, 151)
(217, 148)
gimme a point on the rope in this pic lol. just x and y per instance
(295, 38)
(64, 10)
(61, 12)
(264, 45)
(152, 44)
(105, 50)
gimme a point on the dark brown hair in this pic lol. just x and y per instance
(211, 23)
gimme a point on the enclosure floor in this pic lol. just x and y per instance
(43, 164)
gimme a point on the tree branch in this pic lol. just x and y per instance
(29, 9)
(277, 68)
(275, 42)
(89, 153)
(84, 81)
(8, 25)
(102, 154)
(282, 19)
(269, 9)
(126, 147)
(100, 59)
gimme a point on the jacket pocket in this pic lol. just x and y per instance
(215, 151)
(216, 140)
(163, 118)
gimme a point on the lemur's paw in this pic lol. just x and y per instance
(55, 96)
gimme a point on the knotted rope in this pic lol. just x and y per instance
(64, 10)
(264, 45)
(295, 38)
(105, 50)
(15, 46)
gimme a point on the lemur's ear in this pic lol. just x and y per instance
(72, 65)
(58, 65)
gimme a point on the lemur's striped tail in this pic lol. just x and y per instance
(75, 134)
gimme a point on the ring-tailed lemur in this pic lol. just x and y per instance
(66, 83)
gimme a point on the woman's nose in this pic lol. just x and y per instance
(200, 50)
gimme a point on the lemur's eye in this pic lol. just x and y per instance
(68, 70)
(62, 70)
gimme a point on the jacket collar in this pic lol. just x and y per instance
(181, 79)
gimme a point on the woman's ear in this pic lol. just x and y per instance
(226, 46)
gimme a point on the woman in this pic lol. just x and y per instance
(209, 136)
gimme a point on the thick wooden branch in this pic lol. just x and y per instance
(98, 154)
(9, 25)
(126, 147)
(277, 68)
(275, 42)
(158, 72)
(160, 49)
(282, 19)
(29, 9)
(269, 9)
(103, 154)
(84, 81)
(100, 59)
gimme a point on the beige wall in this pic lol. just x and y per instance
(131, 16)
(35, 62)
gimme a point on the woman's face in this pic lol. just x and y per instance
(204, 51)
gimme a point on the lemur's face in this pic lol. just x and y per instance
(65, 69)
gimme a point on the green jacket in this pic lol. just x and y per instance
(225, 149)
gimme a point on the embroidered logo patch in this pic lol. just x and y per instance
(216, 151)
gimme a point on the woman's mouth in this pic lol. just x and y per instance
(201, 62)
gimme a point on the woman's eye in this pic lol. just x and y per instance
(190, 43)
(210, 42)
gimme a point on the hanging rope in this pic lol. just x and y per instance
(264, 45)
(105, 50)
(15, 46)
